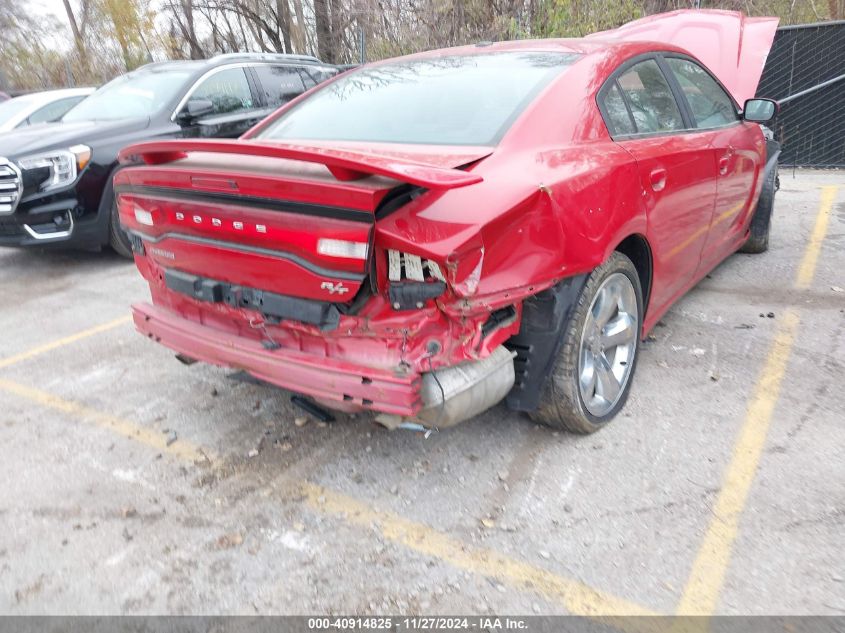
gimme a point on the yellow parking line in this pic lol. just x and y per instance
(575, 596)
(153, 439)
(578, 598)
(35, 351)
(709, 568)
(811, 255)
(701, 594)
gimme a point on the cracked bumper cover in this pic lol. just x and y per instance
(320, 377)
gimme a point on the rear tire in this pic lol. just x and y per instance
(592, 373)
(118, 239)
(761, 223)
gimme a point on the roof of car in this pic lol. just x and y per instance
(47, 96)
(233, 58)
(581, 46)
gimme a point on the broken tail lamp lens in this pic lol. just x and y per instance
(408, 267)
(412, 280)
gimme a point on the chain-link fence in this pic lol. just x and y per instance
(805, 72)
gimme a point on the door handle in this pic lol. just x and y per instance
(658, 179)
(725, 161)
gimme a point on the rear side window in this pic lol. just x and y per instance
(279, 84)
(710, 104)
(228, 90)
(53, 111)
(618, 120)
(652, 104)
(313, 75)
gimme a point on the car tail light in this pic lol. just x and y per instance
(342, 248)
(143, 217)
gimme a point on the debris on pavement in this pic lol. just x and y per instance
(228, 541)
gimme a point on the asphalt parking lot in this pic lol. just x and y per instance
(135, 485)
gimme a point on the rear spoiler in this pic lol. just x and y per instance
(343, 164)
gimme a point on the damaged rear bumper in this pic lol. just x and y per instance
(327, 379)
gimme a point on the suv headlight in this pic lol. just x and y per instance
(61, 167)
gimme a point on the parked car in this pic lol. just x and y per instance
(55, 183)
(39, 107)
(426, 236)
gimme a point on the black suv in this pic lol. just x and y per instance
(55, 179)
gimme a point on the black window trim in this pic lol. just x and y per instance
(676, 84)
(674, 87)
(255, 87)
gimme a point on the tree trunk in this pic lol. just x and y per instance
(337, 31)
(77, 34)
(299, 33)
(324, 31)
(188, 29)
(283, 10)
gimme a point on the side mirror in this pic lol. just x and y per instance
(760, 110)
(194, 109)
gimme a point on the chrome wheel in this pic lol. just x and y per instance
(608, 344)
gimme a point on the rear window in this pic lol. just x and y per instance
(279, 84)
(457, 100)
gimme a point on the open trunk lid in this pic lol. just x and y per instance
(254, 224)
(729, 43)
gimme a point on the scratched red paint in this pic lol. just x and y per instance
(552, 198)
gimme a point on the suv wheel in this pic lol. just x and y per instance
(594, 367)
(118, 239)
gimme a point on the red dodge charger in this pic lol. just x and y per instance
(426, 236)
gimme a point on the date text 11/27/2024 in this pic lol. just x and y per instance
(483, 623)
